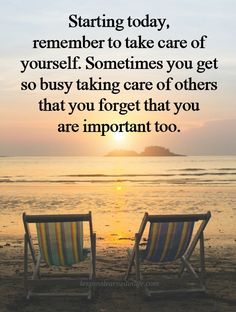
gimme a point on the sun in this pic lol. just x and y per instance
(118, 136)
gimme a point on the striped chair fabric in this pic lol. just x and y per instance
(61, 243)
(168, 241)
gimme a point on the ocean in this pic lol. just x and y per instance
(133, 170)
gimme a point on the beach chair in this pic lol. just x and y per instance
(61, 243)
(170, 239)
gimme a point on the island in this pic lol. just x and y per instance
(148, 151)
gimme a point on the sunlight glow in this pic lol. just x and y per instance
(119, 136)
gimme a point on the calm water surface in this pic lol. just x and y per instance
(135, 170)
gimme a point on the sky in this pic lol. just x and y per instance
(25, 130)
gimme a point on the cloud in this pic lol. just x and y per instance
(212, 138)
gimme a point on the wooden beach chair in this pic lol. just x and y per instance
(61, 243)
(170, 239)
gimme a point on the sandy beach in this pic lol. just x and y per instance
(113, 215)
(111, 265)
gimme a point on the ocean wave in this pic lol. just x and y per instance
(175, 180)
(175, 176)
(189, 169)
(150, 175)
(230, 169)
(201, 169)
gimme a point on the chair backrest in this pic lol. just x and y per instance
(60, 237)
(170, 235)
(61, 243)
(168, 241)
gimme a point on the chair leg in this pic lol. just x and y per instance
(89, 293)
(94, 256)
(130, 265)
(189, 267)
(202, 258)
(137, 264)
(26, 263)
(129, 254)
(131, 261)
(92, 270)
(37, 267)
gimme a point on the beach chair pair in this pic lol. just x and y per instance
(61, 243)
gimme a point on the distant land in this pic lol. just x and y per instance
(148, 151)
